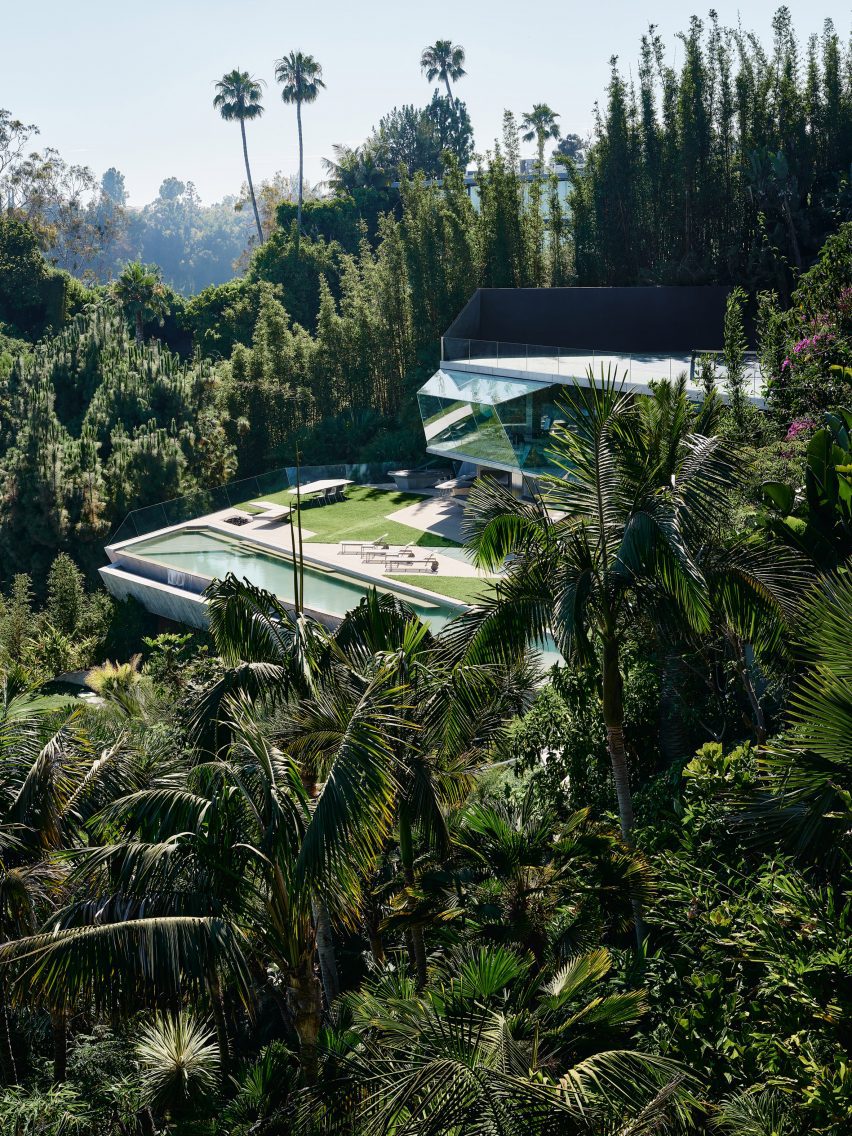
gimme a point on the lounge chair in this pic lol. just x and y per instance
(355, 547)
(396, 563)
(374, 550)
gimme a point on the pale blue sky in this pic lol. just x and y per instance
(117, 83)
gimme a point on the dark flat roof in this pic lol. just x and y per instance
(648, 320)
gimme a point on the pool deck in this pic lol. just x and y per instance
(430, 515)
(433, 514)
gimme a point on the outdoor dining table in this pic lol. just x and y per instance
(323, 489)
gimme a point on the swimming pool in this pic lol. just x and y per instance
(192, 553)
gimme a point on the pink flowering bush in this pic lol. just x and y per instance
(799, 426)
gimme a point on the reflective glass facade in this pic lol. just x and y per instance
(489, 420)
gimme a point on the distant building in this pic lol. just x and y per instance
(528, 173)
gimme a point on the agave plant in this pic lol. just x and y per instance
(178, 1062)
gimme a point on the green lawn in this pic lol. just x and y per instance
(362, 516)
(468, 589)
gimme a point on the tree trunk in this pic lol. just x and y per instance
(7, 1052)
(323, 936)
(417, 943)
(217, 1003)
(325, 953)
(59, 1030)
(794, 240)
(673, 743)
(613, 713)
(140, 331)
(301, 173)
(371, 927)
(146, 1122)
(305, 998)
(250, 183)
(447, 85)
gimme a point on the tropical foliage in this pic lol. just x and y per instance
(284, 878)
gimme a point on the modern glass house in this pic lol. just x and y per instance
(509, 354)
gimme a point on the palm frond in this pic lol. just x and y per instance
(119, 965)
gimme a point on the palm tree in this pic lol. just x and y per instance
(540, 124)
(300, 77)
(543, 883)
(54, 780)
(808, 770)
(380, 676)
(487, 1047)
(622, 544)
(238, 96)
(142, 294)
(443, 61)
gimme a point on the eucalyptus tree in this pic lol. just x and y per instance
(443, 60)
(539, 124)
(301, 81)
(140, 291)
(239, 97)
(617, 538)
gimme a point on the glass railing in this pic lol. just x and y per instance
(202, 502)
(636, 368)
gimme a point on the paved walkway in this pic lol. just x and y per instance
(436, 515)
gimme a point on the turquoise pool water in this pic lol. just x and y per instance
(213, 555)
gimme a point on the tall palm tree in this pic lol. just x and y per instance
(238, 96)
(301, 80)
(443, 60)
(437, 714)
(142, 294)
(540, 124)
(610, 540)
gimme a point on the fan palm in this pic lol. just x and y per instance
(141, 293)
(540, 124)
(239, 96)
(301, 81)
(443, 60)
(618, 546)
(485, 1048)
(541, 882)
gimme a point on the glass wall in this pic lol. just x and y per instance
(488, 420)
